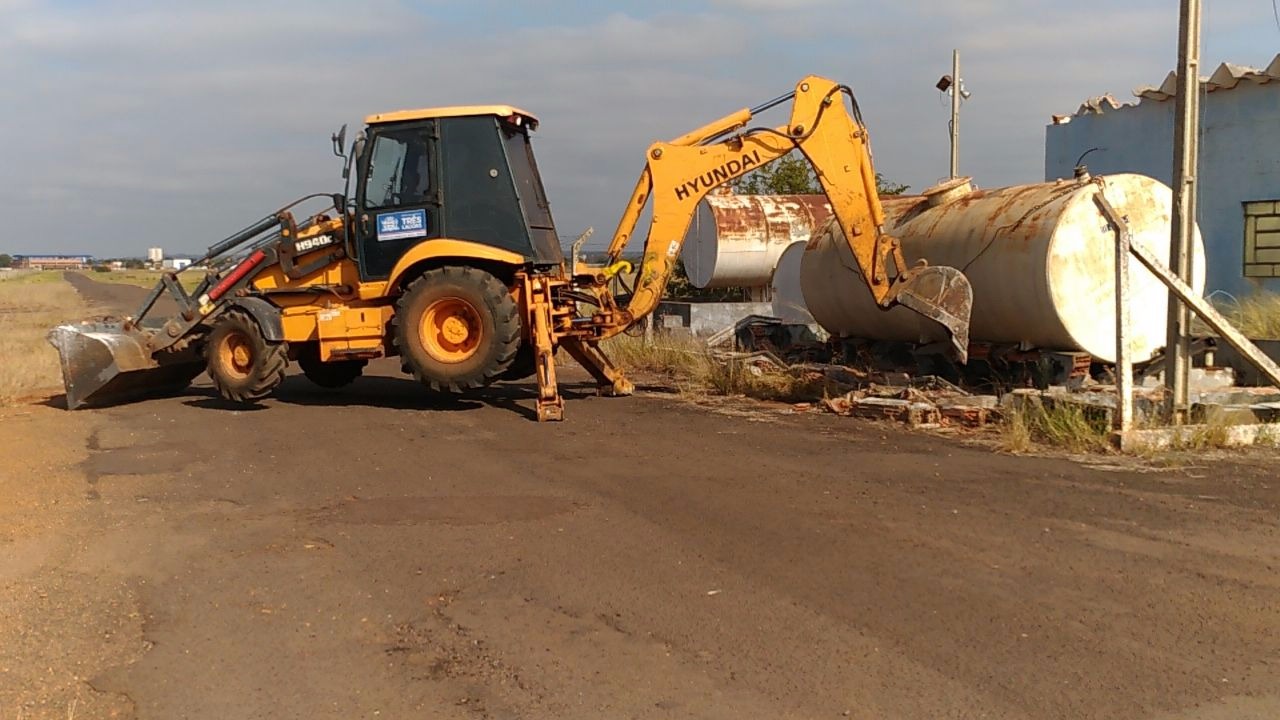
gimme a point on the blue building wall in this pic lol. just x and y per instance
(1239, 162)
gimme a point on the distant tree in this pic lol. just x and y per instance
(134, 264)
(789, 175)
(793, 175)
(888, 187)
(6, 261)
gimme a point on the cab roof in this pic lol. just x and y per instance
(504, 111)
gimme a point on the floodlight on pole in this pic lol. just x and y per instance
(954, 84)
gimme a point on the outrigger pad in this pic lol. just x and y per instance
(103, 363)
(944, 295)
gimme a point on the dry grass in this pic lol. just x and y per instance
(682, 360)
(29, 307)
(1063, 425)
(692, 369)
(29, 277)
(145, 278)
(1257, 316)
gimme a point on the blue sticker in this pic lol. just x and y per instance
(402, 224)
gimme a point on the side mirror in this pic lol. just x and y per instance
(340, 203)
(339, 141)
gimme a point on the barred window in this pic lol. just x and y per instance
(1262, 238)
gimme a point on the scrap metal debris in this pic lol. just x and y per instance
(919, 402)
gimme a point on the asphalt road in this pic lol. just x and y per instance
(375, 553)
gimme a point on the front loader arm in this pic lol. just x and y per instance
(678, 174)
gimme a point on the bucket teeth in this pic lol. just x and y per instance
(105, 363)
(944, 295)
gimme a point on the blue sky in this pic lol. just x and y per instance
(134, 123)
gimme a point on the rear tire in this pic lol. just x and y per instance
(457, 328)
(245, 367)
(331, 375)
(525, 364)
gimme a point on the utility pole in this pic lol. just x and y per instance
(955, 113)
(1186, 145)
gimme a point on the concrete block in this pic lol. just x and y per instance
(707, 318)
(984, 402)
(907, 411)
(911, 412)
(1165, 438)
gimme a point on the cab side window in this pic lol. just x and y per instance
(399, 169)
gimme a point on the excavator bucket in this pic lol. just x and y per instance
(943, 295)
(105, 363)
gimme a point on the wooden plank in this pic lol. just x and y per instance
(1212, 317)
(1124, 358)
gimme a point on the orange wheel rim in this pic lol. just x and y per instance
(235, 354)
(451, 330)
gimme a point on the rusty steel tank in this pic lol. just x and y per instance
(736, 240)
(1041, 259)
(786, 295)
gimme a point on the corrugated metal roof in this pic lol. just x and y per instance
(1225, 77)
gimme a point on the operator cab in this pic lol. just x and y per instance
(464, 173)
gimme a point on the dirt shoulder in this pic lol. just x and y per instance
(59, 625)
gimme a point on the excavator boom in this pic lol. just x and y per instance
(832, 137)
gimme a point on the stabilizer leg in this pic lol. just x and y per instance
(538, 302)
(610, 379)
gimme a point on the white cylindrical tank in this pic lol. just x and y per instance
(1040, 258)
(736, 240)
(787, 295)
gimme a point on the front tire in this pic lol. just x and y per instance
(245, 367)
(457, 328)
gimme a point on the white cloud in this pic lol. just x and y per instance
(773, 5)
(179, 123)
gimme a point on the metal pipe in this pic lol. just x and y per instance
(751, 113)
(240, 238)
(148, 303)
(773, 103)
(955, 113)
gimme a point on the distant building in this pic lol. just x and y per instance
(176, 263)
(1239, 177)
(155, 255)
(52, 262)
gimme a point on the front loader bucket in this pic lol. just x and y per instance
(104, 363)
(943, 295)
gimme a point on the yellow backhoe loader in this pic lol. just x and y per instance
(446, 255)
